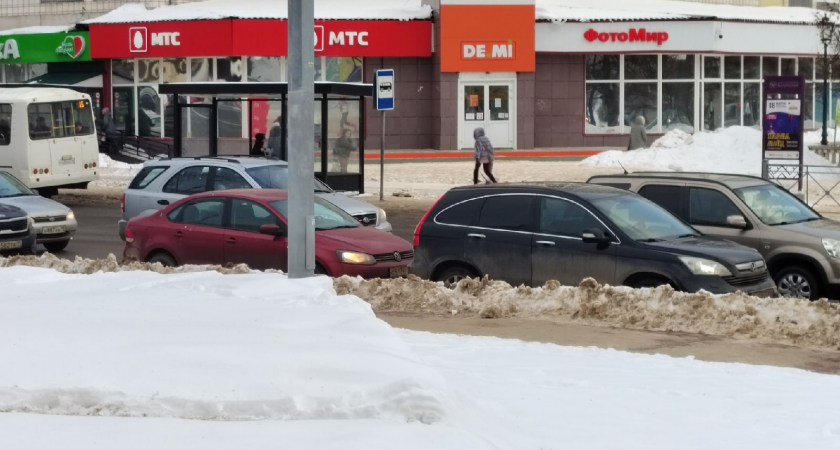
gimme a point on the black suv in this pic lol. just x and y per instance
(531, 233)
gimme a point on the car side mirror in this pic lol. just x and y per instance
(594, 236)
(737, 222)
(272, 230)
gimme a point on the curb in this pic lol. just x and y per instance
(467, 155)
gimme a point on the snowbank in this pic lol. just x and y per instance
(114, 174)
(732, 150)
(777, 320)
(81, 265)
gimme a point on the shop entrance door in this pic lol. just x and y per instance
(490, 105)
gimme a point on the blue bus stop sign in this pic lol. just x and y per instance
(383, 89)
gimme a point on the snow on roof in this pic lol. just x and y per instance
(623, 10)
(268, 9)
(38, 30)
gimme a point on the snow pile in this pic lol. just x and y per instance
(732, 150)
(114, 174)
(204, 346)
(772, 320)
(110, 264)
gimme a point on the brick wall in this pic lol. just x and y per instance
(525, 109)
(410, 124)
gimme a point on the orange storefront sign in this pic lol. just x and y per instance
(487, 38)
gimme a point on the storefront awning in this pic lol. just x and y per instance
(88, 79)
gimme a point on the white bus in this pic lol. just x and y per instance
(48, 138)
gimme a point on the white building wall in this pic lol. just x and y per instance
(26, 13)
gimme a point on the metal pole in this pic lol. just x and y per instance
(825, 95)
(382, 159)
(301, 75)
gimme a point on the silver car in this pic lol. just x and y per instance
(163, 181)
(55, 224)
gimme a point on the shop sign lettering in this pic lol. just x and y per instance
(9, 50)
(632, 35)
(490, 50)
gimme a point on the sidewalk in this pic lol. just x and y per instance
(558, 154)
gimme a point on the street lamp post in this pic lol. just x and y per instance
(826, 26)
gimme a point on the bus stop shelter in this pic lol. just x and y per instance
(239, 119)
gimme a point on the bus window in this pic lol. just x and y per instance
(40, 121)
(83, 114)
(62, 114)
(5, 124)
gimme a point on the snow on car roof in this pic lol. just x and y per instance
(267, 9)
(623, 10)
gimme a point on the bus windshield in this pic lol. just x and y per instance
(60, 119)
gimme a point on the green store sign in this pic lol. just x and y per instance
(44, 48)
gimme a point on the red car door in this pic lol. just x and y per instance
(245, 244)
(199, 238)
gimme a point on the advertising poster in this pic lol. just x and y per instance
(783, 119)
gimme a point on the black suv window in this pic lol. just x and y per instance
(667, 197)
(249, 216)
(192, 180)
(710, 207)
(459, 214)
(146, 176)
(207, 213)
(564, 218)
(228, 179)
(507, 212)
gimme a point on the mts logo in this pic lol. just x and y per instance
(339, 38)
(165, 39)
(138, 38)
(488, 50)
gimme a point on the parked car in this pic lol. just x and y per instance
(17, 231)
(527, 234)
(249, 226)
(163, 181)
(801, 247)
(55, 224)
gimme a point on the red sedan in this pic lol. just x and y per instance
(249, 226)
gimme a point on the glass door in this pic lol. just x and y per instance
(486, 106)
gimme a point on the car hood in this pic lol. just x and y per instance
(823, 228)
(710, 248)
(10, 212)
(36, 205)
(349, 204)
(363, 239)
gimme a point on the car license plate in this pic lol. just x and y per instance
(11, 245)
(399, 272)
(66, 161)
(53, 230)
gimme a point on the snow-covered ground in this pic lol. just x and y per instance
(114, 174)
(204, 360)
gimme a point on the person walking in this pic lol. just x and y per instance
(342, 149)
(275, 140)
(638, 134)
(483, 155)
(109, 131)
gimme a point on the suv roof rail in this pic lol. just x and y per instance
(198, 158)
(672, 175)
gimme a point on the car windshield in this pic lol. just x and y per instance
(641, 219)
(277, 177)
(12, 187)
(327, 215)
(774, 205)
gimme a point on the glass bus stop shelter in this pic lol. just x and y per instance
(241, 119)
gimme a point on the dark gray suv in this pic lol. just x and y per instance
(801, 247)
(532, 233)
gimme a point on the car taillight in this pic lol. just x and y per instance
(129, 235)
(420, 224)
(122, 203)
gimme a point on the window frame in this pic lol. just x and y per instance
(682, 207)
(734, 204)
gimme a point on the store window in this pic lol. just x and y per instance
(265, 69)
(15, 73)
(602, 108)
(122, 71)
(148, 70)
(5, 124)
(229, 69)
(174, 70)
(343, 69)
(201, 69)
(344, 128)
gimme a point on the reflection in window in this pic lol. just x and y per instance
(499, 101)
(711, 67)
(752, 67)
(15, 73)
(264, 69)
(752, 105)
(640, 67)
(732, 104)
(712, 114)
(122, 71)
(678, 67)
(640, 101)
(344, 140)
(5, 124)
(770, 66)
(175, 70)
(678, 107)
(602, 103)
(343, 69)
(732, 67)
(36, 70)
(602, 67)
(201, 69)
(473, 103)
(123, 109)
(148, 71)
(788, 67)
(148, 112)
(230, 119)
(806, 68)
(809, 106)
(229, 69)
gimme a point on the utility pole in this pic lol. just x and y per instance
(301, 75)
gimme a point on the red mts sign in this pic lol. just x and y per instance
(263, 37)
(632, 35)
(161, 39)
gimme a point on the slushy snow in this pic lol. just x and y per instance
(124, 360)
